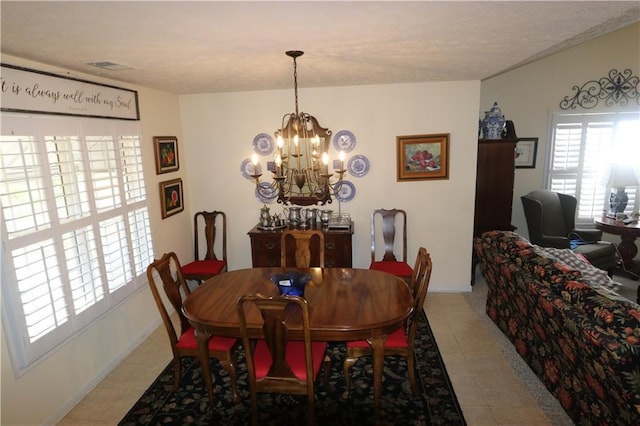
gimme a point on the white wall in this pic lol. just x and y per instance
(47, 391)
(528, 95)
(219, 130)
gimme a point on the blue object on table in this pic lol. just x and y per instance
(291, 283)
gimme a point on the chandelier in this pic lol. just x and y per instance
(301, 161)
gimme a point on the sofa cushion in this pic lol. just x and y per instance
(574, 260)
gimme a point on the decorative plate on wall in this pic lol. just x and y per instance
(267, 194)
(345, 191)
(358, 165)
(263, 144)
(247, 168)
(344, 141)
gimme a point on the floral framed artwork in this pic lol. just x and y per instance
(526, 151)
(166, 150)
(423, 157)
(171, 198)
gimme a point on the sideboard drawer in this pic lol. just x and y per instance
(337, 250)
(265, 249)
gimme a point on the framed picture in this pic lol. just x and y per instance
(171, 199)
(526, 150)
(166, 149)
(423, 157)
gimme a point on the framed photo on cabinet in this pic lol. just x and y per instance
(166, 150)
(171, 197)
(423, 157)
(526, 152)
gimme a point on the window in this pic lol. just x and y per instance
(582, 149)
(75, 226)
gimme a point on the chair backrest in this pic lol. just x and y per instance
(548, 213)
(422, 273)
(419, 269)
(389, 233)
(167, 271)
(213, 223)
(302, 244)
(277, 312)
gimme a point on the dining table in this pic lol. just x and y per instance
(344, 304)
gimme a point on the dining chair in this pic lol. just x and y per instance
(389, 227)
(401, 342)
(302, 243)
(166, 272)
(210, 265)
(275, 363)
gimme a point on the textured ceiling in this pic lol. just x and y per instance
(211, 46)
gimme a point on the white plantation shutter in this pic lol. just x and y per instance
(142, 245)
(583, 145)
(75, 231)
(83, 267)
(40, 287)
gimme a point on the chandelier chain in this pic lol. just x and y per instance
(295, 82)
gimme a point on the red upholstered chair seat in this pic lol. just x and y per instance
(294, 356)
(204, 267)
(397, 339)
(399, 269)
(216, 343)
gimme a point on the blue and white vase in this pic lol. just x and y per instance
(493, 123)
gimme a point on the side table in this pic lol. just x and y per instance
(627, 247)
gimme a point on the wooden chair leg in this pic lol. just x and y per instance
(348, 363)
(326, 364)
(412, 373)
(254, 409)
(310, 410)
(229, 365)
(177, 373)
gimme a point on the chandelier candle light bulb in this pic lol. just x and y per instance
(278, 162)
(325, 163)
(254, 160)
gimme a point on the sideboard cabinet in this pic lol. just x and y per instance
(265, 248)
(494, 189)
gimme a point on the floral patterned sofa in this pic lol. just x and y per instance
(579, 337)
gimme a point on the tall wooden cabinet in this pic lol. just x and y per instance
(494, 189)
(494, 185)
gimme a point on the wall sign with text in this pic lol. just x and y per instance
(32, 91)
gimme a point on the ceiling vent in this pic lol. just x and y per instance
(108, 65)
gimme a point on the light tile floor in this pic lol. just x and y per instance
(486, 385)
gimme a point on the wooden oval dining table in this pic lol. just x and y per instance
(344, 304)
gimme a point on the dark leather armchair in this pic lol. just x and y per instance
(551, 223)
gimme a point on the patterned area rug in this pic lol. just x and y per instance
(436, 405)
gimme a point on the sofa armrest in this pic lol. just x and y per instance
(589, 235)
(552, 241)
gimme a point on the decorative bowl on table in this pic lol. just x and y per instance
(291, 283)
